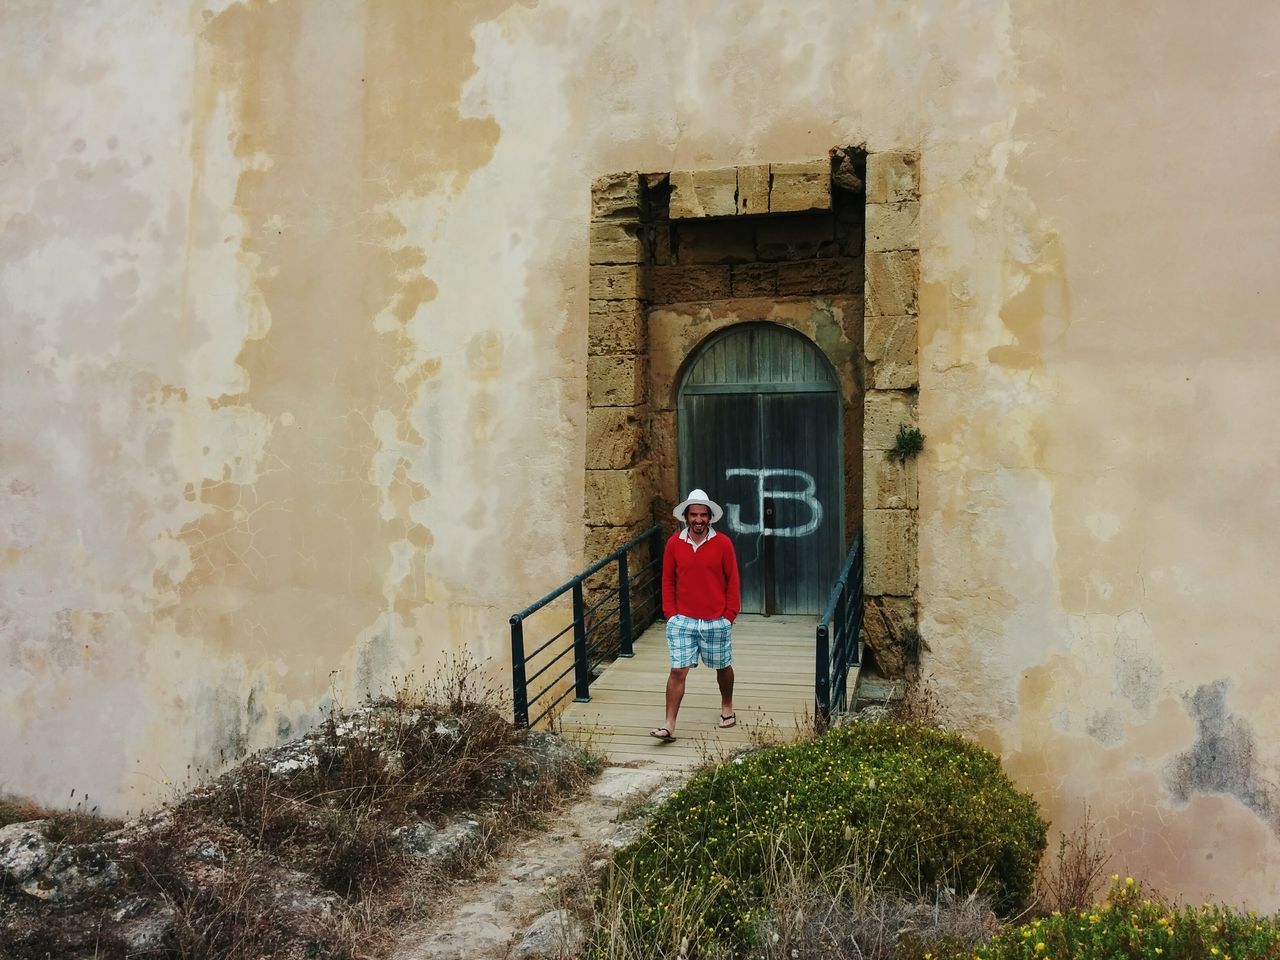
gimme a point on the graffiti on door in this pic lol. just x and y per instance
(765, 489)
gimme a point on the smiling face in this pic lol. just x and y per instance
(698, 518)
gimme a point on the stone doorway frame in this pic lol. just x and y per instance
(633, 371)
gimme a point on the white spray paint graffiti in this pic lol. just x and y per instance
(763, 490)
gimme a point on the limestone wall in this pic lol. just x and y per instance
(294, 301)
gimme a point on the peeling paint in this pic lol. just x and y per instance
(1224, 758)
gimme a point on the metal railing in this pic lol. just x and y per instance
(624, 601)
(839, 647)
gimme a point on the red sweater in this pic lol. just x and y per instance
(701, 583)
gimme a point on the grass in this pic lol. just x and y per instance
(80, 823)
(907, 444)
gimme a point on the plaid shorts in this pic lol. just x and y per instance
(687, 637)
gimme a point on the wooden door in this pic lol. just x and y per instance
(759, 423)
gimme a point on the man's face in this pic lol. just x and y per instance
(699, 518)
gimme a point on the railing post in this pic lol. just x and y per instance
(624, 608)
(822, 673)
(581, 668)
(519, 688)
(655, 560)
(841, 678)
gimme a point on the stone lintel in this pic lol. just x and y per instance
(800, 186)
(804, 277)
(691, 283)
(753, 189)
(704, 193)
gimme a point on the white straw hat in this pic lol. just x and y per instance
(698, 496)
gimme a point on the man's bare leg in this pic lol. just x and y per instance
(724, 677)
(675, 693)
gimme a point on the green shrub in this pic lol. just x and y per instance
(907, 444)
(885, 805)
(1129, 925)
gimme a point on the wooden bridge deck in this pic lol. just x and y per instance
(773, 661)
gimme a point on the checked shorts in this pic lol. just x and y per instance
(687, 638)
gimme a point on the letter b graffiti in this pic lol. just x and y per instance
(763, 490)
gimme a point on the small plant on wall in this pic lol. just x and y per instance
(908, 444)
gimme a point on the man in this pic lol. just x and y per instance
(700, 601)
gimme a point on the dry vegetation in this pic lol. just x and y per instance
(307, 850)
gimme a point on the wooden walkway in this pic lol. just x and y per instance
(773, 663)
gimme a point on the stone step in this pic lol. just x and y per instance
(876, 690)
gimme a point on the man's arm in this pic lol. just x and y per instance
(669, 580)
(732, 591)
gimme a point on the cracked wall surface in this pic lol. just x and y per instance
(294, 300)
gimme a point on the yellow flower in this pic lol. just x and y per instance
(1128, 881)
(1039, 947)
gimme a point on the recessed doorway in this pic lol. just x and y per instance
(759, 429)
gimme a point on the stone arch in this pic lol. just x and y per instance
(831, 324)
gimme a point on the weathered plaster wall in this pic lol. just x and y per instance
(294, 319)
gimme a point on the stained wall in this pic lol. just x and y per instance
(294, 309)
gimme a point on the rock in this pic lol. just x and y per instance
(424, 842)
(886, 621)
(455, 840)
(292, 894)
(24, 851)
(872, 713)
(551, 752)
(449, 729)
(416, 840)
(73, 873)
(291, 765)
(150, 935)
(129, 908)
(554, 934)
(207, 851)
(622, 783)
(845, 176)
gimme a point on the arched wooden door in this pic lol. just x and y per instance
(759, 425)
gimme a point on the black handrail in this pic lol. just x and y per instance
(839, 645)
(600, 631)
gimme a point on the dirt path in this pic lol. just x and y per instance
(509, 911)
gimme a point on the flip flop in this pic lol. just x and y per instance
(663, 734)
(729, 721)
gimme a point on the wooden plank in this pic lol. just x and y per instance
(773, 697)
